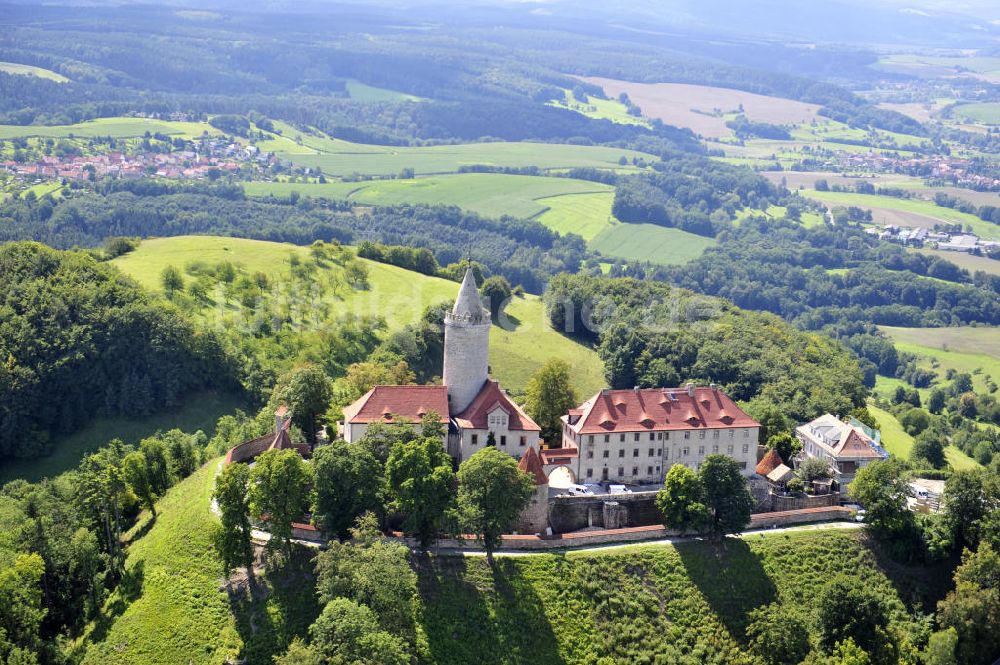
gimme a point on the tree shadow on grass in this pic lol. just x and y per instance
(128, 591)
(919, 585)
(474, 614)
(280, 605)
(730, 577)
(141, 532)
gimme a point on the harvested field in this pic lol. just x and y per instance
(694, 106)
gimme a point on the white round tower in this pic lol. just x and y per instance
(466, 346)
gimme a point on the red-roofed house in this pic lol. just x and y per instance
(846, 447)
(394, 405)
(492, 411)
(634, 436)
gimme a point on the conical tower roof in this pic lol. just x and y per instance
(468, 305)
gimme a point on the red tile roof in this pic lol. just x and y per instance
(659, 409)
(768, 463)
(491, 397)
(531, 464)
(398, 404)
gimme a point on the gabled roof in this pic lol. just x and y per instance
(769, 462)
(780, 474)
(659, 409)
(490, 398)
(531, 464)
(398, 404)
(840, 439)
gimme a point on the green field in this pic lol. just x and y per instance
(341, 158)
(489, 194)
(906, 212)
(586, 214)
(650, 243)
(899, 443)
(397, 295)
(199, 411)
(599, 109)
(964, 349)
(968, 261)
(987, 113)
(362, 92)
(31, 70)
(683, 603)
(114, 127)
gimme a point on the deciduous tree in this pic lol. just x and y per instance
(421, 483)
(550, 395)
(727, 496)
(682, 500)
(233, 539)
(279, 489)
(348, 483)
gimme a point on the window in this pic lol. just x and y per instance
(715, 434)
(659, 451)
(743, 465)
(621, 437)
(650, 452)
(636, 437)
(590, 472)
(590, 438)
(635, 471)
(475, 439)
(621, 452)
(503, 439)
(701, 434)
(524, 441)
(732, 433)
(635, 453)
(715, 449)
(687, 435)
(729, 449)
(621, 472)
(685, 451)
(746, 448)
(657, 469)
(652, 436)
(649, 470)
(666, 435)
(607, 437)
(590, 454)
(746, 434)
(666, 454)
(606, 454)
(701, 450)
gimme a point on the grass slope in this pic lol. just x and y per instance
(964, 349)
(899, 443)
(362, 92)
(31, 70)
(396, 294)
(170, 608)
(651, 243)
(987, 113)
(337, 157)
(585, 214)
(489, 194)
(199, 412)
(115, 127)
(906, 212)
(687, 603)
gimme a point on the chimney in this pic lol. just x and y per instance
(690, 389)
(636, 389)
(713, 386)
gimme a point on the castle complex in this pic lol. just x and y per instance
(474, 407)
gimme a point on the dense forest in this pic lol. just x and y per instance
(651, 334)
(73, 328)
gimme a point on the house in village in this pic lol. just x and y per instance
(846, 446)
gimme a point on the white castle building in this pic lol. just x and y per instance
(477, 411)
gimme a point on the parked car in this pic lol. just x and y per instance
(618, 489)
(595, 489)
(579, 490)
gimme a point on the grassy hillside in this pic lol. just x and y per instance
(964, 349)
(687, 603)
(899, 443)
(362, 92)
(649, 242)
(396, 294)
(489, 194)
(199, 412)
(31, 70)
(115, 127)
(337, 157)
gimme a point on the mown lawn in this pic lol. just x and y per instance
(398, 295)
(650, 243)
(199, 411)
(585, 214)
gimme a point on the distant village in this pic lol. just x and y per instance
(968, 243)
